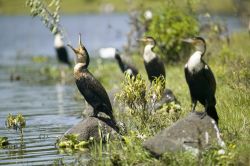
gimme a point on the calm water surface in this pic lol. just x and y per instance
(49, 109)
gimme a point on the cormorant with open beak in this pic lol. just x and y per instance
(92, 90)
(200, 79)
(124, 66)
(61, 51)
(153, 64)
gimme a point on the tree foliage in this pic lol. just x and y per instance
(169, 25)
(49, 13)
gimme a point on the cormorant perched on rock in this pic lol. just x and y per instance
(200, 79)
(62, 54)
(153, 64)
(92, 90)
(125, 67)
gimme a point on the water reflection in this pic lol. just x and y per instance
(60, 95)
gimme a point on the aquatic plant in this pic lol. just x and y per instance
(70, 141)
(3, 141)
(16, 122)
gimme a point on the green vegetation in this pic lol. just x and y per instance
(169, 26)
(70, 142)
(16, 122)
(3, 141)
(49, 17)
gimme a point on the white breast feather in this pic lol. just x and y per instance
(77, 67)
(129, 71)
(194, 63)
(58, 41)
(148, 54)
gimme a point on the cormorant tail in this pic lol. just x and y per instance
(211, 111)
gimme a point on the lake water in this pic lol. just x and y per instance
(50, 109)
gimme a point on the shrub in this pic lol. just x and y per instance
(169, 25)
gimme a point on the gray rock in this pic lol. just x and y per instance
(90, 126)
(188, 134)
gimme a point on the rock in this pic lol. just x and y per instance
(167, 97)
(188, 134)
(89, 127)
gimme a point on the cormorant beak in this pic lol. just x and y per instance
(142, 40)
(80, 49)
(189, 40)
(80, 40)
(72, 48)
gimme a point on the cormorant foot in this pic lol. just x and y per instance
(203, 114)
(94, 116)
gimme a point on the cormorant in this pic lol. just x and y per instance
(155, 68)
(62, 54)
(200, 79)
(111, 52)
(92, 90)
(153, 64)
(125, 67)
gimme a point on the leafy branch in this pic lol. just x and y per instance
(50, 18)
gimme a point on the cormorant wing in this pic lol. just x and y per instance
(161, 67)
(98, 90)
(129, 66)
(187, 74)
(210, 78)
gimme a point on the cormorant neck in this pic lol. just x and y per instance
(119, 60)
(58, 42)
(79, 66)
(148, 54)
(82, 58)
(201, 48)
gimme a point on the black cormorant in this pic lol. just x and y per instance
(200, 79)
(125, 67)
(92, 90)
(153, 64)
(61, 51)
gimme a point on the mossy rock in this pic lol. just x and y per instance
(93, 127)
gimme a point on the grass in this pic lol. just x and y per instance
(8, 7)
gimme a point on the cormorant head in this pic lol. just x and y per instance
(148, 40)
(58, 42)
(198, 43)
(81, 53)
(117, 54)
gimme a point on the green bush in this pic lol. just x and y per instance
(170, 25)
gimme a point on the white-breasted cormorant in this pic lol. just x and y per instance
(92, 90)
(124, 66)
(61, 51)
(200, 79)
(155, 68)
(153, 64)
